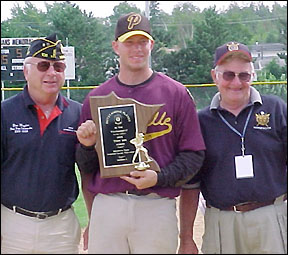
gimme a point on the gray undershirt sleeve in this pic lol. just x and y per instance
(87, 158)
(185, 166)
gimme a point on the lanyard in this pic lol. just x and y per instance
(236, 131)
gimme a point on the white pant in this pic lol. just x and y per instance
(125, 223)
(23, 234)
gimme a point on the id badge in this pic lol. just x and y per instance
(244, 166)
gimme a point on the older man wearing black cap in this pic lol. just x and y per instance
(244, 175)
(38, 141)
(137, 213)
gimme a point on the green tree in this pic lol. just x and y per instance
(159, 21)
(249, 23)
(25, 22)
(193, 63)
(280, 24)
(272, 71)
(161, 34)
(183, 17)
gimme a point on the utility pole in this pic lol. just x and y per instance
(147, 14)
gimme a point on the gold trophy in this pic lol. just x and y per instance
(138, 143)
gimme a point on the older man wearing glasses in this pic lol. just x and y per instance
(244, 175)
(38, 140)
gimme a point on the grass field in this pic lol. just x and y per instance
(79, 205)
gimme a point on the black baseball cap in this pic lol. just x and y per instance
(48, 48)
(230, 48)
(132, 24)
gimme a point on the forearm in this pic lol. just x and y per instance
(187, 213)
(88, 196)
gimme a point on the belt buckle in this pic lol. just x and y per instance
(133, 192)
(235, 209)
(41, 216)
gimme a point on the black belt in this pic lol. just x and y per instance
(38, 215)
(137, 192)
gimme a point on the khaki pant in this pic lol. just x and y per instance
(263, 230)
(22, 234)
(125, 223)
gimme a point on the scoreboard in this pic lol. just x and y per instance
(13, 52)
(12, 58)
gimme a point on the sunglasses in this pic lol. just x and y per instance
(229, 76)
(43, 66)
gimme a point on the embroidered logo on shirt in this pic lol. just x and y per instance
(262, 119)
(162, 121)
(68, 130)
(20, 128)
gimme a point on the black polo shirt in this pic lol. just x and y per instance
(265, 140)
(38, 171)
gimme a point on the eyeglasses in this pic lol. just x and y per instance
(229, 76)
(43, 66)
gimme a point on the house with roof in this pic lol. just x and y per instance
(264, 53)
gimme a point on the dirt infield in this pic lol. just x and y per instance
(198, 232)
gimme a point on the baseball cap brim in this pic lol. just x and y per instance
(123, 37)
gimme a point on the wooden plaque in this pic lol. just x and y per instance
(122, 123)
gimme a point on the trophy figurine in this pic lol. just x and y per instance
(138, 143)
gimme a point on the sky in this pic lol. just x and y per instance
(105, 8)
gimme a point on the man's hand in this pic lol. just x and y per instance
(142, 179)
(87, 133)
(189, 247)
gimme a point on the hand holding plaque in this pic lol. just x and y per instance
(122, 123)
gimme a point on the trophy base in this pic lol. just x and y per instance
(142, 166)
